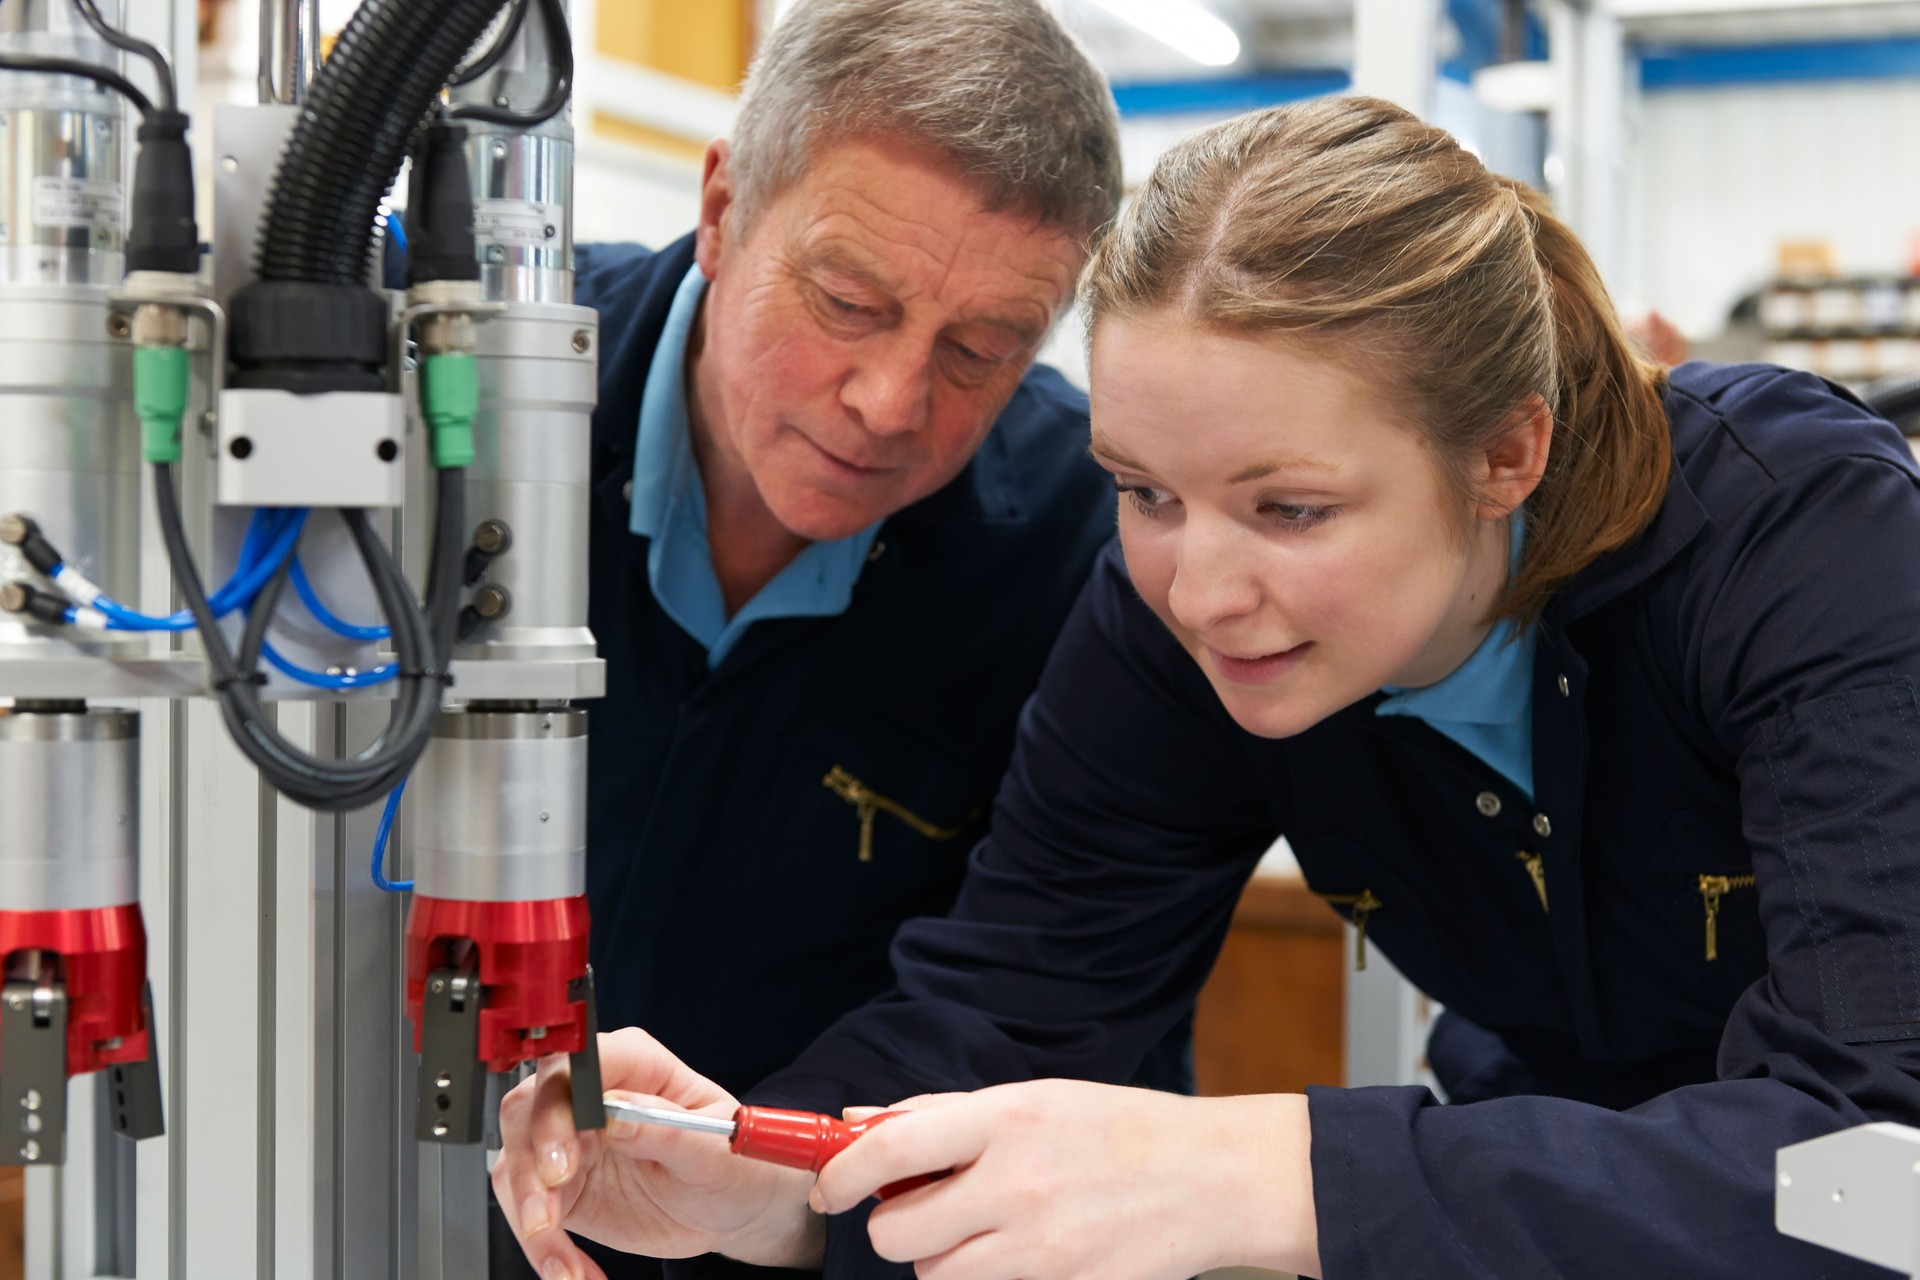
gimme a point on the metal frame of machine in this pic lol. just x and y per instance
(302, 1138)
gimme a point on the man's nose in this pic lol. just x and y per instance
(1213, 577)
(890, 390)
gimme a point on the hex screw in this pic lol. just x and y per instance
(582, 340)
(438, 986)
(30, 1150)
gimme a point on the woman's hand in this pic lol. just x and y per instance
(641, 1188)
(1061, 1180)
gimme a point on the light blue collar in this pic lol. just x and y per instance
(670, 509)
(1486, 703)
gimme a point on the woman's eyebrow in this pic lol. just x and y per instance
(1261, 470)
(1103, 450)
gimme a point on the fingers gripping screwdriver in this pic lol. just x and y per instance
(796, 1139)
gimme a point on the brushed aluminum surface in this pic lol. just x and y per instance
(538, 368)
(499, 810)
(69, 455)
(70, 801)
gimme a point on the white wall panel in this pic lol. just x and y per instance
(1725, 174)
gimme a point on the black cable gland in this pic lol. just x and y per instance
(440, 242)
(163, 236)
(306, 337)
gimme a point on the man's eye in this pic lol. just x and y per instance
(842, 305)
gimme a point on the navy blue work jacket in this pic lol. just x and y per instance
(1730, 696)
(734, 914)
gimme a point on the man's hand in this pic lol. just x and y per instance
(1057, 1179)
(661, 1192)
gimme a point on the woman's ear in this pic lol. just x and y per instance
(1511, 465)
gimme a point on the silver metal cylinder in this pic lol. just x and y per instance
(522, 178)
(63, 155)
(289, 49)
(537, 370)
(70, 804)
(499, 804)
(69, 453)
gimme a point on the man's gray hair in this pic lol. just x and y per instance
(998, 86)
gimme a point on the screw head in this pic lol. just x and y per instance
(119, 324)
(492, 536)
(582, 340)
(30, 1100)
(440, 1130)
(32, 1122)
(30, 1150)
(491, 600)
(500, 148)
(502, 100)
(438, 986)
(230, 164)
(443, 1081)
(16, 1002)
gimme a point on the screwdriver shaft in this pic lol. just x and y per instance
(693, 1120)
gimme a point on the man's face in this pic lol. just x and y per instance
(857, 343)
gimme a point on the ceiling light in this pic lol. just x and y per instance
(1181, 24)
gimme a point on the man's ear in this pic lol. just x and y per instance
(1511, 465)
(710, 238)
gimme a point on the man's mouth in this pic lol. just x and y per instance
(852, 467)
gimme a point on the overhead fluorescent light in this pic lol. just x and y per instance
(1516, 86)
(1182, 25)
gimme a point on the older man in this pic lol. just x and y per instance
(837, 518)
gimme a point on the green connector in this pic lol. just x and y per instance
(160, 379)
(450, 400)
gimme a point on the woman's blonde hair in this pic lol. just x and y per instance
(1350, 225)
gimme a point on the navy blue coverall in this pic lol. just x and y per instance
(734, 914)
(1731, 695)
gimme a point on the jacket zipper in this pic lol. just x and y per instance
(869, 804)
(1712, 889)
(1537, 871)
(1364, 904)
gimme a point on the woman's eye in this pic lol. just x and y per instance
(1293, 515)
(1146, 500)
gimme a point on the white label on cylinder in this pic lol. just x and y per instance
(515, 222)
(76, 202)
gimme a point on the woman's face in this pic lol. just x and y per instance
(1288, 526)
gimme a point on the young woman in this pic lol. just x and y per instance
(1587, 690)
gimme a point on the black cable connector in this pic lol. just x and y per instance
(440, 242)
(22, 597)
(23, 532)
(164, 236)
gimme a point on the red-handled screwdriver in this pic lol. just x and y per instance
(796, 1139)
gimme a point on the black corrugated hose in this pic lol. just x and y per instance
(383, 74)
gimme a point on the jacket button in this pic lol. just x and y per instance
(1541, 827)
(1565, 689)
(1488, 804)
(626, 491)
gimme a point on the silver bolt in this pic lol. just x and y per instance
(32, 1123)
(537, 1033)
(31, 1100)
(440, 1130)
(500, 148)
(582, 340)
(30, 1150)
(230, 164)
(496, 253)
(438, 986)
(443, 1081)
(502, 100)
(16, 1002)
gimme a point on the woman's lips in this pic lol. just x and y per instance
(1262, 670)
